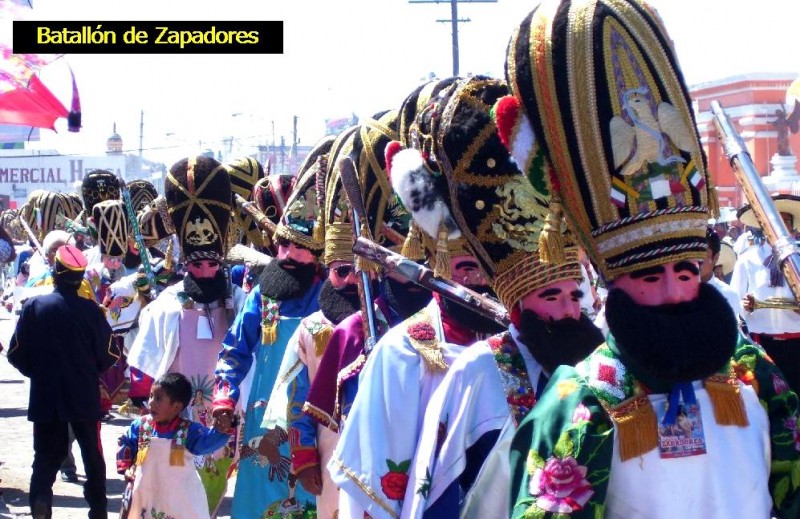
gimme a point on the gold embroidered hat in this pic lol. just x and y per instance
(387, 218)
(244, 172)
(113, 227)
(142, 193)
(155, 223)
(601, 92)
(301, 222)
(99, 185)
(339, 237)
(271, 193)
(499, 212)
(415, 102)
(198, 195)
(49, 210)
(76, 206)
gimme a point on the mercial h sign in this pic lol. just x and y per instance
(54, 172)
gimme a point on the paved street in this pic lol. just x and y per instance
(16, 455)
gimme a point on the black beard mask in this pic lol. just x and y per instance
(206, 290)
(338, 303)
(286, 279)
(470, 318)
(555, 343)
(405, 298)
(674, 343)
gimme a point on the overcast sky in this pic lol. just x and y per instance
(343, 56)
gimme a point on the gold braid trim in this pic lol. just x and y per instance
(364, 488)
(320, 416)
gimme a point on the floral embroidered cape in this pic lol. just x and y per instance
(563, 453)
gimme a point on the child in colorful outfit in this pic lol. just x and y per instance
(157, 453)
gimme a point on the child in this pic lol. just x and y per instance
(157, 453)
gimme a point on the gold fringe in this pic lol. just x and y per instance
(269, 333)
(176, 456)
(551, 241)
(442, 267)
(362, 263)
(637, 427)
(412, 247)
(141, 456)
(321, 338)
(265, 239)
(432, 357)
(727, 400)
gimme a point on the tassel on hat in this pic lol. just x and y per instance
(442, 266)
(726, 398)
(637, 427)
(551, 241)
(169, 256)
(412, 246)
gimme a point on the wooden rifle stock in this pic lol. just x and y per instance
(422, 276)
(767, 215)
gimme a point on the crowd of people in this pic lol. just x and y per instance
(644, 361)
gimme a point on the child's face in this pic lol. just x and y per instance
(162, 408)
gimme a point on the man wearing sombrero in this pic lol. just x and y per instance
(676, 415)
(757, 276)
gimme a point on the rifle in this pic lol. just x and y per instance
(263, 223)
(349, 178)
(137, 235)
(424, 277)
(767, 215)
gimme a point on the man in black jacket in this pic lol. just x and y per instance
(63, 344)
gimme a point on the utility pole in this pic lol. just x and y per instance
(454, 21)
(141, 139)
(293, 152)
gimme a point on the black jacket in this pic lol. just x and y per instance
(63, 344)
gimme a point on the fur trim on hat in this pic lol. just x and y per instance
(414, 184)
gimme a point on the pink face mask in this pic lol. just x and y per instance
(288, 250)
(671, 283)
(203, 269)
(556, 301)
(112, 263)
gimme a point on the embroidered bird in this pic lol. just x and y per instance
(648, 139)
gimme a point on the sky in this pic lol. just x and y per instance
(342, 57)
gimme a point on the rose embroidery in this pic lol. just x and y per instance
(421, 332)
(779, 385)
(560, 486)
(581, 414)
(791, 424)
(394, 482)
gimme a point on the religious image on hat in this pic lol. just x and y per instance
(499, 212)
(113, 227)
(99, 185)
(198, 195)
(599, 90)
(142, 193)
(301, 222)
(155, 223)
(784, 203)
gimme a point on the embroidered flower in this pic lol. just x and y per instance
(744, 373)
(394, 482)
(581, 414)
(421, 332)
(779, 385)
(792, 425)
(560, 486)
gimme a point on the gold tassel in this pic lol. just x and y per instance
(412, 247)
(637, 427)
(176, 456)
(265, 239)
(169, 256)
(319, 231)
(551, 241)
(362, 263)
(727, 400)
(321, 338)
(141, 456)
(713, 200)
(442, 266)
(269, 333)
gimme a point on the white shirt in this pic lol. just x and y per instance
(730, 294)
(750, 276)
